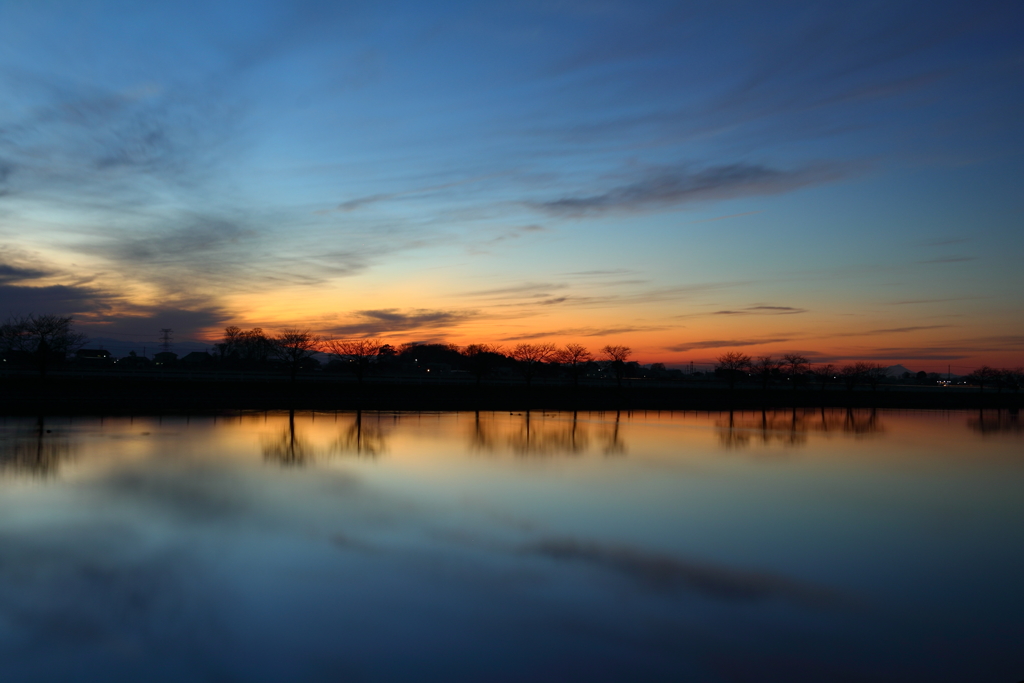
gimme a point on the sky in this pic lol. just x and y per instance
(841, 180)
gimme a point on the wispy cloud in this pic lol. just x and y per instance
(722, 218)
(761, 310)
(949, 259)
(583, 332)
(393, 320)
(668, 187)
(893, 330)
(723, 343)
(912, 302)
(532, 289)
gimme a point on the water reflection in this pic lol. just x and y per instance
(290, 448)
(791, 428)
(362, 440)
(996, 422)
(182, 556)
(287, 448)
(536, 433)
(34, 450)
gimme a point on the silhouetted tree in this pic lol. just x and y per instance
(422, 355)
(796, 365)
(765, 367)
(45, 339)
(873, 374)
(824, 374)
(251, 347)
(615, 357)
(732, 365)
(482, 358)
(530, 357)
(360, 352)
(984, 375)
(853, 374)
(575, 358)
(294, 346)
(230, 344)
(1016, 377)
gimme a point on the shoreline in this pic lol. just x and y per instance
(134, 395)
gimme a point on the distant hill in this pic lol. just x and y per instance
(897, 371)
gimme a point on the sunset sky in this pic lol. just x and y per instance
(687, 178)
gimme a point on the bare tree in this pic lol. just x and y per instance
(231, 342)
(530, 357)
(44, 339)
(294, 346)
(797, 366)
(984, 375)
(824, 373)
(732, 365)
(616, 357)
(575, 357)
(360, 352)
(482, 358)
(873, 374)
(766, 367)
(853, 374)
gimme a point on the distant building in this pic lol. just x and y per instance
(93, 357)
(196, 359)
(87, 354)
(165, 358)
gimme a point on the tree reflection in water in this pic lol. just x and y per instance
(530, 435)
(291, 449)
(361, 440)
(35, 452)
(481, 438)
(614, 444)
(791, 427)
(996, 421)
(288, 449)
(548, 438)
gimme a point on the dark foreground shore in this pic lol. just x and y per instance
(130, 395)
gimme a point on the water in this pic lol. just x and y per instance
(807, 546)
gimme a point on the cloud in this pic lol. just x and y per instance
(60, 299)
(664, 572)
(534, 289)
(894, 330)
(762, 310)
(393, 320)
(722, 218)
(911, 302)
(601, 273)
(146, 321)
(950, 259)
(780, 309)
(583, 332)
(723, 343)
(942, 241)
(13, 273)
(669, 187)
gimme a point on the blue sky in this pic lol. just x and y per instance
(686, 178)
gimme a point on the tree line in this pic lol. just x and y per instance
(44, 341)
(294, 347)
(734, 366)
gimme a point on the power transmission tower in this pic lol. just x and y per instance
(165, 338)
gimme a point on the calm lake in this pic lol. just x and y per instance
(785, 546)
